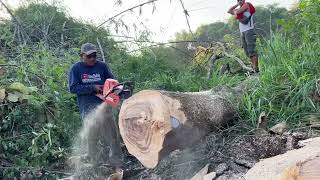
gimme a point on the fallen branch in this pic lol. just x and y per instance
(186, 54)
(10, 12)
(23, 34)
(122, 12)
(16, 66)
(14, 137)
(318, 86)
(226, 54)
(155, 44)
(239, 61)
(212, 61)
(186, 14)
(234, 57)
(36, 169)
(204, 175)
(63, 30)
(3, 65)
(101, 50)
(163, 43)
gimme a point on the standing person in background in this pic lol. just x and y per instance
(244, 14)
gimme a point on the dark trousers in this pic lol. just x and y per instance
(248, 42)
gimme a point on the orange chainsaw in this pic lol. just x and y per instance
(114, 92)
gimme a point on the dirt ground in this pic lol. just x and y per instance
(228, 154)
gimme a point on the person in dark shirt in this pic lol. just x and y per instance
(86, 79)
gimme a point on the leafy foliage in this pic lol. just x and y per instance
(38, 133)
(36, 136)
(266, 19)
(286, 84)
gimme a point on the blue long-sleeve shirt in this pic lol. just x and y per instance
(82, 79)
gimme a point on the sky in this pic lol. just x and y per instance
(167, 19)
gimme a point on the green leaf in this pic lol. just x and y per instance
(33, 89)
(17, 86)
(12, 97)
(24, 98)
(2, 60)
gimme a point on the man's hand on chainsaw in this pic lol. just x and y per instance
(112, 92)
(98, 88)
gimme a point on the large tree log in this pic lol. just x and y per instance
(154, 123)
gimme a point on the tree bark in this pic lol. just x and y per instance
(212, 61)
(154, 123)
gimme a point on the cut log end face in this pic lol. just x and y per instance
(144, 122)
(310, 169)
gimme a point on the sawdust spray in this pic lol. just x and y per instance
(91, 146)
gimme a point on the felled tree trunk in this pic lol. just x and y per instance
(154, 123)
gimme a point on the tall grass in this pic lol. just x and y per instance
(288, 78)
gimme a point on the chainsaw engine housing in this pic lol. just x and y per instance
(114, 92)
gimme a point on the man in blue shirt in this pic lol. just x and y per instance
(86, 79)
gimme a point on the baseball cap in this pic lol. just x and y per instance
(88, 48)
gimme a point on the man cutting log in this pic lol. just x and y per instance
(86, 79)
(244, 14)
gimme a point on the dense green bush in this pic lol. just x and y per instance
(290, 71)
(287, 82)
(38, 134)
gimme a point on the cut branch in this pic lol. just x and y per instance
(239, 61)
(16, 66)
(10, 12)
(101, 50)
(212, 61)
(23, 33)
(3, 65)
(235, 58)
(62, 33)
(127, 10)
(226, 54)
(186, 14)
(155, 44)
